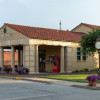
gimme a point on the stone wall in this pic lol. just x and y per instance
(12, 37)
(82, 28)
(90, 63)
(29, 57)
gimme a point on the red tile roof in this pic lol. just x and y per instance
(91, 26)
(88, 25)
(45, 33)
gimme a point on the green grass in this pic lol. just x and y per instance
(74, 78)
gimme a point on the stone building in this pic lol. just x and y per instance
(36, 46)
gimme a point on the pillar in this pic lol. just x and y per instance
(37, 61)
(2, 57)
(68, 59)
(62, 60)
(21, 58)
(65, 59)
(29, 58)
(18, 58)
(13, 58)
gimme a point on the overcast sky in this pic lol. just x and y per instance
(48, 13)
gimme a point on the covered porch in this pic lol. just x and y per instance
(38, 58)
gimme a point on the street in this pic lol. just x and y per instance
(27, 90)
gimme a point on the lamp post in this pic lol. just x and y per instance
(97, 45)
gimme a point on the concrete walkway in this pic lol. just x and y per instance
(65, 83)
(53, 81)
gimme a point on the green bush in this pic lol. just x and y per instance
(95, 69)
(82, 70)
(86, 70)
(76, 71)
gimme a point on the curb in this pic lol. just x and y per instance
(86, 87)
(18, 78)
(37, 81)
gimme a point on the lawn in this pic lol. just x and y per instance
(74, 78)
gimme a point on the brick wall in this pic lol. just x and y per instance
(7, 58)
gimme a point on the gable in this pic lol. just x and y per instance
(82, 28)
(12, 37)
(10, 34)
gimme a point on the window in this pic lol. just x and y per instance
(78, 54)
(5, 29)
(84, 57)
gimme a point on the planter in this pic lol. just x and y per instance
(92, 83)
(7, 72)
(19, 73)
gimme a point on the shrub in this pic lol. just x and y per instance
(96, 69)
(86, 70)
(76, 71)
(82, 70)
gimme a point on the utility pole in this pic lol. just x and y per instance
(60, 24)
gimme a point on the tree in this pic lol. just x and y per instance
(88, 42)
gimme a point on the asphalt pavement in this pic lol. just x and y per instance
(29, 90)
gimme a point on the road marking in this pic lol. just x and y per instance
(13, 81)
(31, 97)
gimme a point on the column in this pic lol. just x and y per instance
(29, 58)
(65, 58)
(2, 57)
(13, 58)
(62, 60)
(21, 58)
(69, 60)
(37, 61)
(32, 59)
(18, 58)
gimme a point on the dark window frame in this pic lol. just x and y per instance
(78, 54)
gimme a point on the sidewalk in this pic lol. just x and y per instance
(53, 81)
(57, 82)
(67, 83)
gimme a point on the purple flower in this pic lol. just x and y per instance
(93, 78)
(9, 69)
(21, 70)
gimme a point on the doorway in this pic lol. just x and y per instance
(41, 60)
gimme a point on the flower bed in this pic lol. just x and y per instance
(7, 69)
(22, 70)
